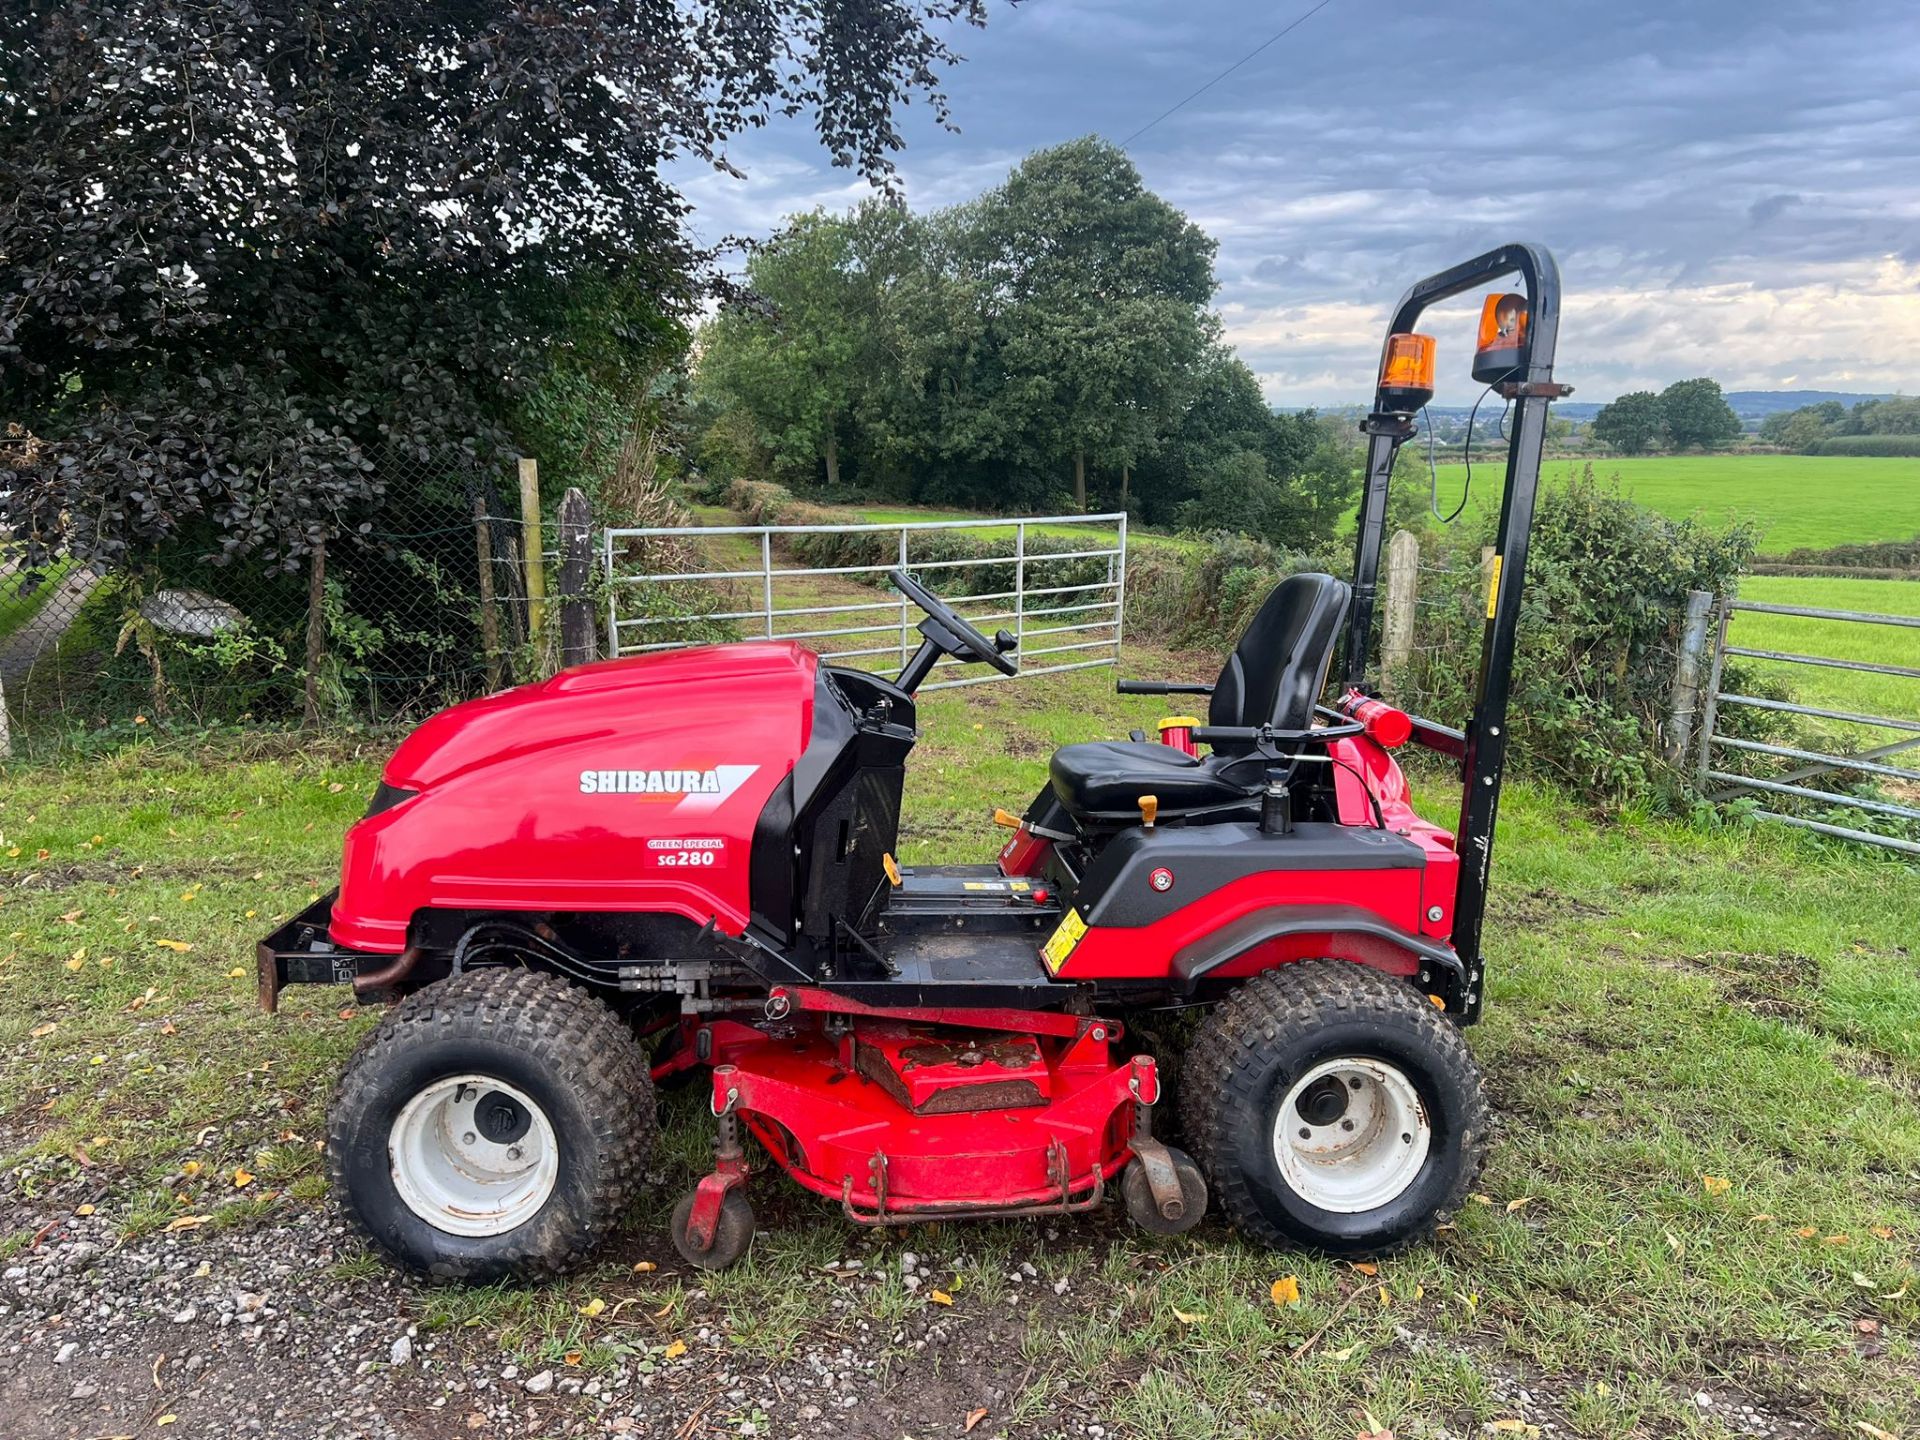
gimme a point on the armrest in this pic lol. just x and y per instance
(1162, 687)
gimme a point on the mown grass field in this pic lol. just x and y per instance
(1860, 692)
(1811, 500)
(1703, 1048)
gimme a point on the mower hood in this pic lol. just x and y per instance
(612, 700)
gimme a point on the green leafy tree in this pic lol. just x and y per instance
(257, 254)
(787, 356)
(1895, 415)
(1632, 423)
(1805, 427)
(1697, 414)
(1095, 293)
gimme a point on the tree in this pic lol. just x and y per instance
(1696, 413)
(1803, 428)
(1095, 291)
(252, 249)
(792, 364)
(1630, 424)
(1895, 415)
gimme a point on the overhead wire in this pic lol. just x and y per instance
(1281, 34)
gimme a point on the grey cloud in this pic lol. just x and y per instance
(1672, 152)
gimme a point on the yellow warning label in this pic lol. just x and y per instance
(1065, 936)
(982, 885)
(1493, 587)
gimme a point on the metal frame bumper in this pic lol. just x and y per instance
(301, 952)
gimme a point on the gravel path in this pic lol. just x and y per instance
(249, 1332)
(40, 636)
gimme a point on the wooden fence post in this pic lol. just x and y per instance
(578, 643)
(1396, 629)
(533, 555)
(316, 630)
(1686, 677)
(489, 617)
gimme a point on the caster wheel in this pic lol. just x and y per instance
(731, 1236)
(1138, 1197)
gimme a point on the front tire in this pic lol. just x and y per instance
(1334, 1107)
(495, 1124)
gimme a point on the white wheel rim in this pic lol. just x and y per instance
(1364, 1154)
(454, 1174)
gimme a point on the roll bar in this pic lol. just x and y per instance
(1483, 755)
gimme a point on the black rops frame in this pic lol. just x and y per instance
(1483, 747)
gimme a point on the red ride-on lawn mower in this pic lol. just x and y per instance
(685, 862)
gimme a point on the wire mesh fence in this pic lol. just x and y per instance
(418, 601)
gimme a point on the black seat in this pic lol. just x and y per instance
(1274, 677)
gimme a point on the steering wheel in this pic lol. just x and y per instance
(953, 634)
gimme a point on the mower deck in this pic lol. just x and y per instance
(900, 1121)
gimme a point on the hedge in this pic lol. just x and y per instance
(1882, 446)
(1873, 555)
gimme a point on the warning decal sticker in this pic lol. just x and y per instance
(1065, 936)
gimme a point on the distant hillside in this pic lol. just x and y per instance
(1758, 404)
(1752, 406)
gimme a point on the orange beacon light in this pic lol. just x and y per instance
(1406, 372)
(1502, 347)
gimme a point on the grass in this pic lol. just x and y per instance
(1811, 500)
(1669, 1003)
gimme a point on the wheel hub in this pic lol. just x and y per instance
(1351, 1135)
(1323, 1102)
(472, 1155)
(502, 1121)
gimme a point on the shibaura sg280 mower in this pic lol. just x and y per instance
(684, 862)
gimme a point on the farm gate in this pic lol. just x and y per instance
(1836, 744)
(1058, 582)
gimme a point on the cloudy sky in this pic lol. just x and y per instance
(1731, 188)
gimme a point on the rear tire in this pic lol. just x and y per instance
(495, 1124)
(1333, 1107)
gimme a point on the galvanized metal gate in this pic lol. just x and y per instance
(1800, 779)
(742, 582)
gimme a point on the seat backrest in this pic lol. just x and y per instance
(1277, 671)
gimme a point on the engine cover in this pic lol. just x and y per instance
(629, 785)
